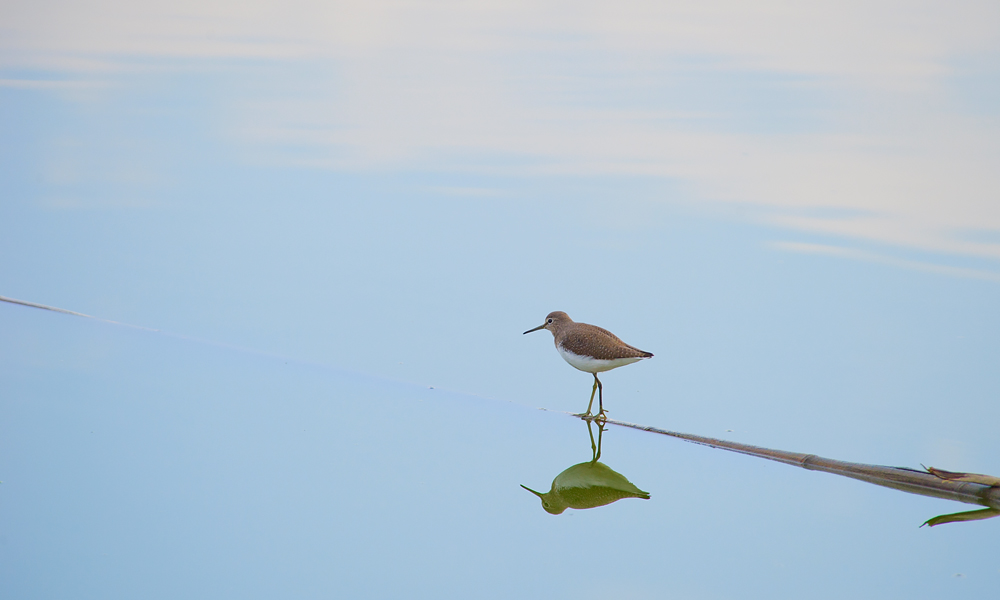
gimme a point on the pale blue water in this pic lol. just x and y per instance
(137, 464)
(340, 248)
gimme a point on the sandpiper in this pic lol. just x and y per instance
(591, 349)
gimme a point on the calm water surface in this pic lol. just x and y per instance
(334, 222)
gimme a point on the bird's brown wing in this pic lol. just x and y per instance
(600, 343)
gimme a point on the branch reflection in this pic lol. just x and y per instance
(588, 484)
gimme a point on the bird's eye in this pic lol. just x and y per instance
(550, 320)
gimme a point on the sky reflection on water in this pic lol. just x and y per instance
(327, 209)
(146, 465)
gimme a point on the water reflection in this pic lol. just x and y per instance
(588, 484)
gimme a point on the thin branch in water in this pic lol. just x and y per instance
(969, 488)
(70, 312)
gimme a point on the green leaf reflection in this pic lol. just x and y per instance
(588, 484)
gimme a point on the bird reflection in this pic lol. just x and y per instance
(589, 484)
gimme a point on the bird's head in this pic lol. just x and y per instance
(553, 321)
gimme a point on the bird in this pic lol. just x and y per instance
(591, 349)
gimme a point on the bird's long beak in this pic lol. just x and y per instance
(542, 326)
(528, 488)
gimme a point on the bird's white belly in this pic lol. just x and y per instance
(593, 365)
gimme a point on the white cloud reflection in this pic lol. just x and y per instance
(872, 257)
(786, 107)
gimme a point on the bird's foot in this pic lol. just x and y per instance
(587, 416)
(601, 417)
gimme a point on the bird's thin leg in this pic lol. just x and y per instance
(600, 398)
(589, 406)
